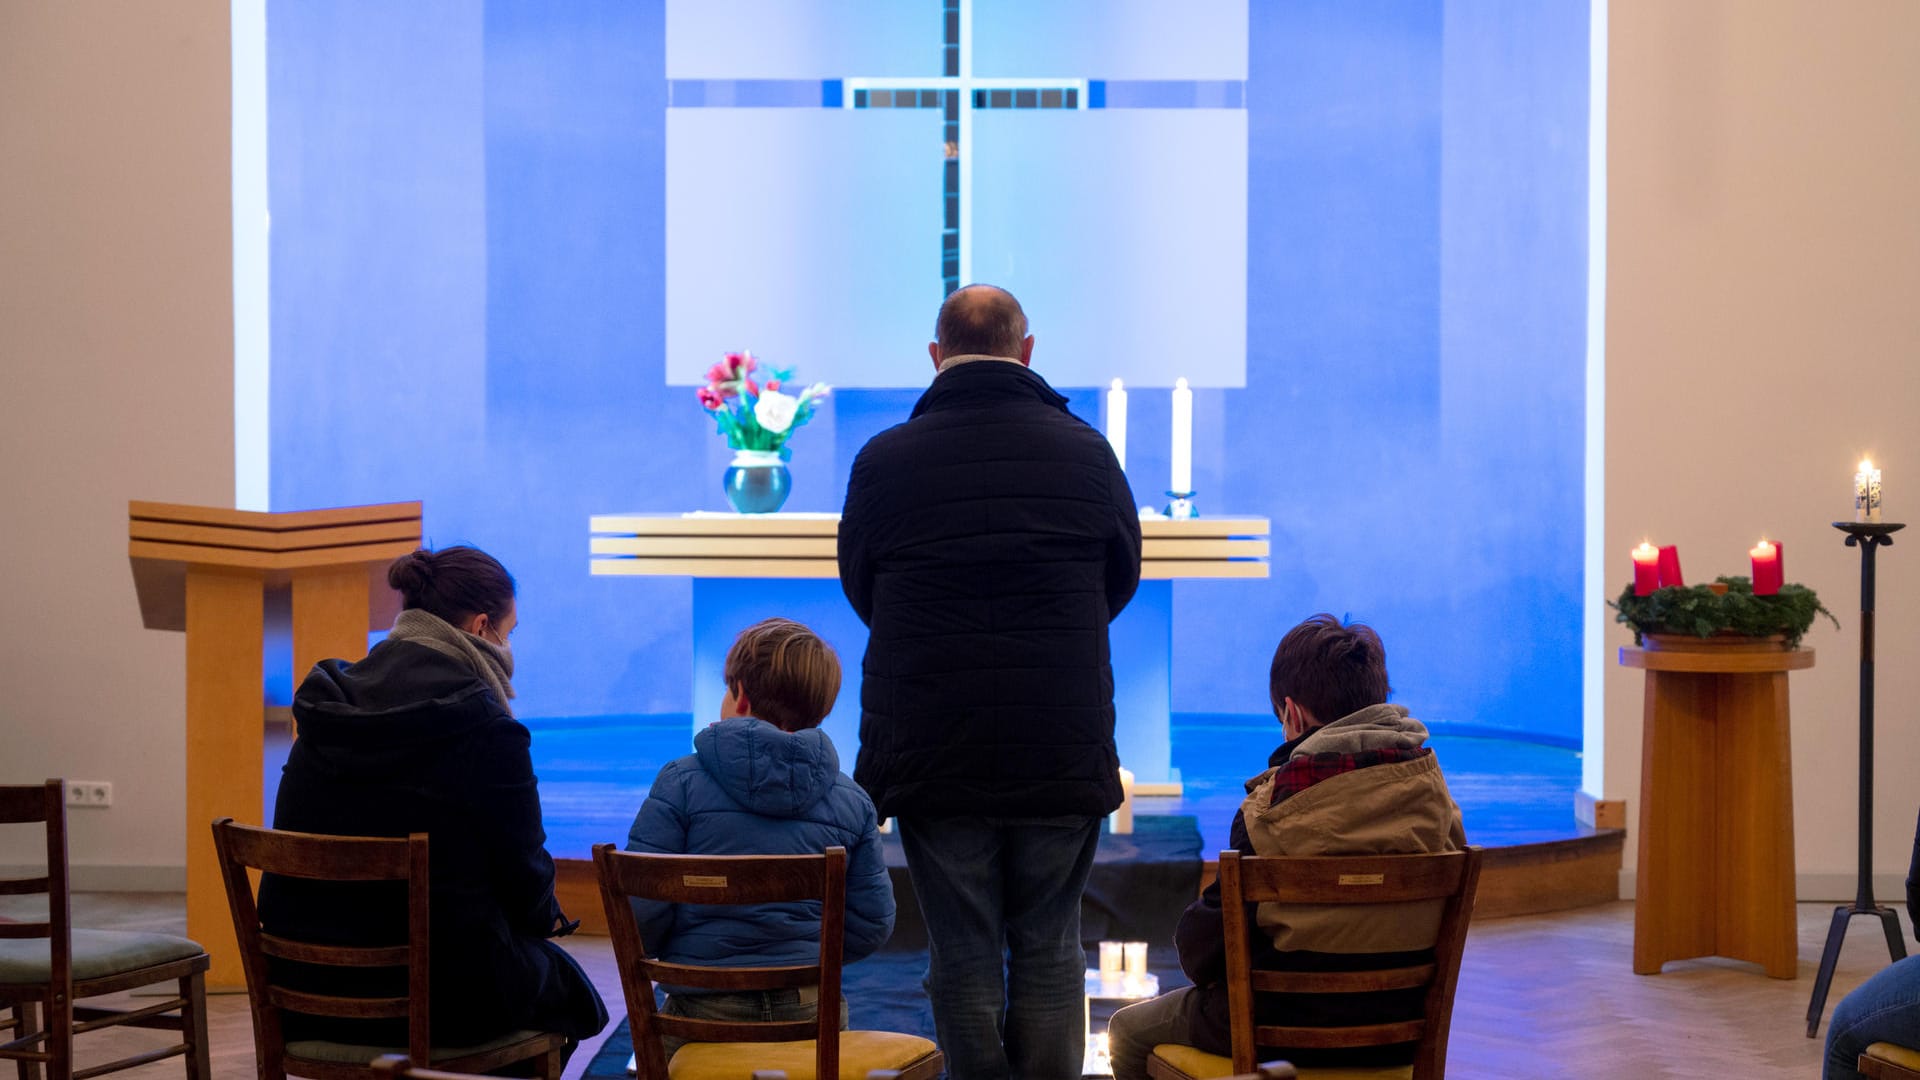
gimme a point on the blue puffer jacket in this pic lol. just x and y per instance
(751, 789)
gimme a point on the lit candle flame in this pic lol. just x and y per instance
(1645, 551)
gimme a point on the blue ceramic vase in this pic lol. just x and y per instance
(757, 481)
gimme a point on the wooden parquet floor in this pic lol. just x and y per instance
(1540, 996)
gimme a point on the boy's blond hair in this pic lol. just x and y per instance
(789, 676)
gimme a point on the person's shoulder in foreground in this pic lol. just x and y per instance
(765, 780)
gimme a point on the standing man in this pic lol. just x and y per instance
(987, 542)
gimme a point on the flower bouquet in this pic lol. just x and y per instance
(752, 414)
(757, 417)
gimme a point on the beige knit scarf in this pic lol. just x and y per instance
(492, 663)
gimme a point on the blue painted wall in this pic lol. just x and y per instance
(468, 304)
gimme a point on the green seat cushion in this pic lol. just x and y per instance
(355, 1054)
(96, 954)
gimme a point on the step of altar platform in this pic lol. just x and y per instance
(1517, 879)
(1516, 795)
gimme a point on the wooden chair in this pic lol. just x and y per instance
(50, 965)
(805, 1049)
(1373, 879)
(1888, 1061)
(344, 858)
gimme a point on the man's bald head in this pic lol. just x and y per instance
(982, 320)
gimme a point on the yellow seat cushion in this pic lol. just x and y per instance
(1204, 1066)
(1897, 1055)
(861, 1052)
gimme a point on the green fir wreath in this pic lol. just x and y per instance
(1702, 612)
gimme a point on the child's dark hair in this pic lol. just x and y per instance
(1329, 669)
(454, 583)
(789, 676)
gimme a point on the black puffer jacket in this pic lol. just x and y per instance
(409, 740)
(987, 542)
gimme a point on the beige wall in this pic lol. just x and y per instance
(116, 374)
(1763, 332)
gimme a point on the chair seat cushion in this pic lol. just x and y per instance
(96, 954)
(355, 1054)
(1897, 1055)
(861, 1052)
(1201, 1065)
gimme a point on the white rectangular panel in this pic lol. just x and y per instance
(815, 39)
(1110, 39)
(809, 236)
(1124, 234)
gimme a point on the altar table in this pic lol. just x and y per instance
(748, 567)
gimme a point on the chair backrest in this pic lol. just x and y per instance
(1450, 877)
(29, 804)
(326, 858)
(725, 880)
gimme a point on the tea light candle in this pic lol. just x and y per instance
(1136, 959)
(1866, 493)
(1121, 823)
(1768, 568)
(1117, 421)
(1182, 480)
(1110, 958)
(1646, 569)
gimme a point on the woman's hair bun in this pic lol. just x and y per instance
(411, 574)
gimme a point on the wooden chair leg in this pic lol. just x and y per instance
(26, 1021)
(552, 1063)
(193, 1026)
(59, 1042)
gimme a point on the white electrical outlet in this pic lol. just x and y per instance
(89, 793)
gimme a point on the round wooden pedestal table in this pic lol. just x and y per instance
(1716, 803)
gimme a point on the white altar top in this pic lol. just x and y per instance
(721, 545)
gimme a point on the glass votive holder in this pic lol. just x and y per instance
(1136, 953)
(1110, 954)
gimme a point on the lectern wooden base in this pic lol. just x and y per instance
(208, 571)
(1716, 804)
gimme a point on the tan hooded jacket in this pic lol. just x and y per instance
(1401, 808)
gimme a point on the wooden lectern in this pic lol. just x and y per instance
(211, 572)
(1716, 804)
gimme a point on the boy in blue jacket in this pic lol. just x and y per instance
(763, 780)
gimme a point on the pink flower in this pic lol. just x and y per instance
(708, 398)
(753, 388)
(773, 384)
(736, 362)
(719, 373)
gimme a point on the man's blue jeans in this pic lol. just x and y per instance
(1885, 1008)
(1006, 970)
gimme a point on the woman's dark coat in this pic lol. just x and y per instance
(987, 542)
(409, 740)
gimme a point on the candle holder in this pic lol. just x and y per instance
(1867, 536)
(1180, 506)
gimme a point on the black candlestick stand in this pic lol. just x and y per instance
(1866, 537)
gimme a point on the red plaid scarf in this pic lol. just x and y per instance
(1305, 770)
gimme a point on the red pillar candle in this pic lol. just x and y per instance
(1646, 570)
(1670, 567)
(1769, 568)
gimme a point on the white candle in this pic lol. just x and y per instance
(1136, 959)
(1110, 958)
(1117, 421)
(1182, 481)
(1122, 821)
(1866, 493)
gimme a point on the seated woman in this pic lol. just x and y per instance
(1885, 1008)
(418, 737)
